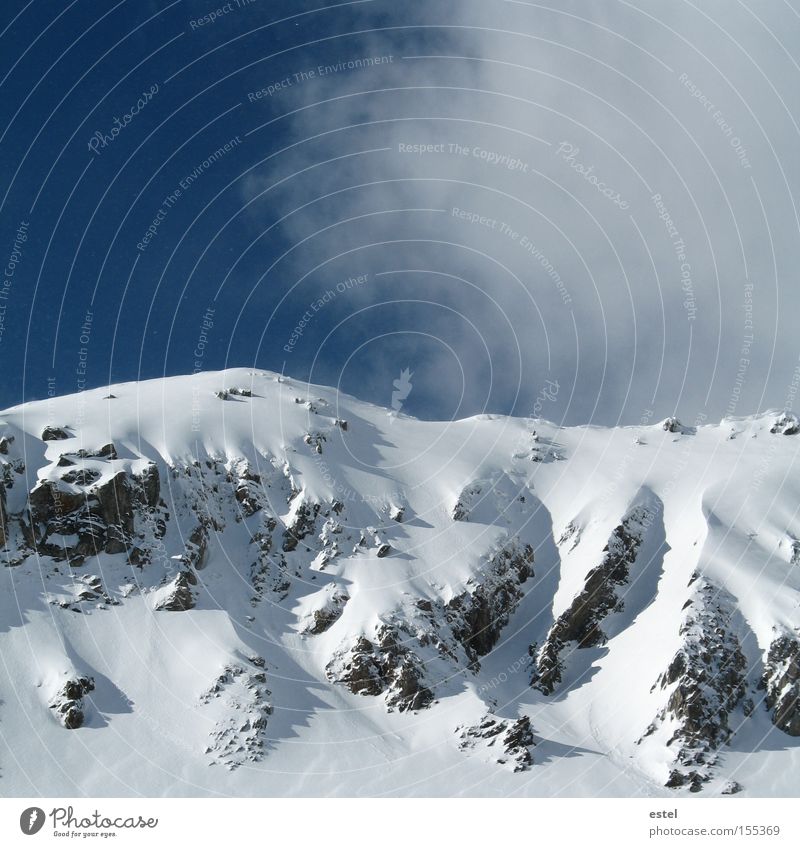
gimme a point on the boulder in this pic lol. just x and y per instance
(54, 433)
(68, 702)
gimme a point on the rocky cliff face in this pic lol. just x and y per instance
(706, 686)
(455, 633)
(508, 743)
(305, 558)
(781, 681)
(580, 625)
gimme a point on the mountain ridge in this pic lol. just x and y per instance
(254, 571)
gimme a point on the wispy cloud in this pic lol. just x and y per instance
(496, 178)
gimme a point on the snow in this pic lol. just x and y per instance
(728, 507)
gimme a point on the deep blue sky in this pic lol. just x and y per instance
(315, 190)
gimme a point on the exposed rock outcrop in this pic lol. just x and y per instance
(74, 525)
(315, 440)
(150, 481)
(387, 665)
(81, 476)
(508, 742)
(397, 659)
(325, 617)
(239, 734)
(478, 615)
(268, 573)
(55, 433)
(785, 424)
(781, 681)
(3, 516)
(674, 426)
(580, 624)
(115, 507)
(302, 524)
(178, 595)
(227, 393)
(468, 496)
(248, 488)
(68, 703)
(706, 683)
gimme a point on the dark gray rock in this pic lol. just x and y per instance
(706, 683)
(786, 424)
(302, 525)
(180, 597)
(323, 619)
(781, 681)
(732, 787)
(509, 742)
(55, 433)
(115, 506)
(240, 737)
(151, 484)
(81, 476)
(580, 624)
(3, 517)
(386, 666)
(68, 703)
(395, 661)
(478, 616)
(48, 502)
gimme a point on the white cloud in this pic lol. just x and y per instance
(628, 301)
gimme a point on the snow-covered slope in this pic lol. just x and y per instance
(236, 583)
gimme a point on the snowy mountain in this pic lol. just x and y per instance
(236, 583)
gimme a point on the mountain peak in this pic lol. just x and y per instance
(276, 562)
